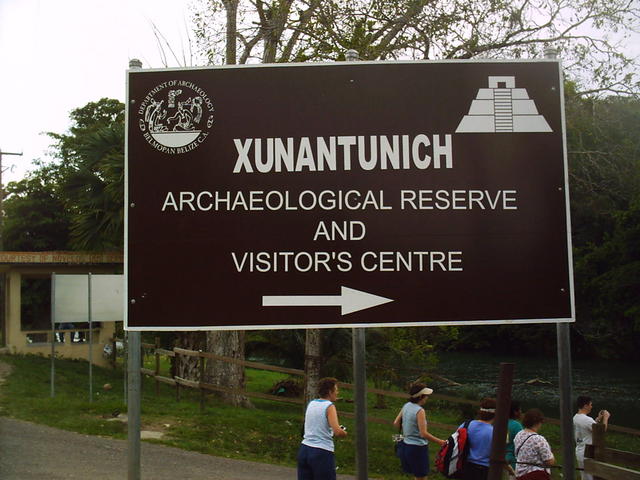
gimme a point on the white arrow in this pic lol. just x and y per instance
(349, 300)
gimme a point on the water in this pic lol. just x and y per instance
(614, 386)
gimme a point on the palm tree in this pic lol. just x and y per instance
(94, 190)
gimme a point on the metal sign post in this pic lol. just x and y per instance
(360, 381)
(133, 406)
(90, 317)
(134, 378)
(359, 349)
(566, 412)
(563, 334)
(53, 334)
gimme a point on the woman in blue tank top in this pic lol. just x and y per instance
(412, 419)
(316, 460)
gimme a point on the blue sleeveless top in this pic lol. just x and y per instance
(410, 430)
(317, 432)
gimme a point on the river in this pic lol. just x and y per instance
(614, 386)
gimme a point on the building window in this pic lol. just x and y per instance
(35, 308)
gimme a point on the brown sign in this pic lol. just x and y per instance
(356, 194)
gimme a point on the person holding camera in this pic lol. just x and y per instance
(583, 428)
(316, 459)
(412, 420)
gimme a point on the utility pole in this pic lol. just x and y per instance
(2, 275)
(2, 197)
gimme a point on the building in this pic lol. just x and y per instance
(26, 326)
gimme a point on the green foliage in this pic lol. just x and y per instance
(35, 214)
(76, 202)
(71, 147)
(95, 191)
(608, 286)
(397, 356)
(92, 159)
(284, 347)
(604, 155)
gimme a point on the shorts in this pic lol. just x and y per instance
(316, 464)
(415, 459)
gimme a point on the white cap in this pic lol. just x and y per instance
(424, 391)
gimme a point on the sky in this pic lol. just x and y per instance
(58, 55)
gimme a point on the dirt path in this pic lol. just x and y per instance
(33, 452)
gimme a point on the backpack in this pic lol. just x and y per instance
(451, 456)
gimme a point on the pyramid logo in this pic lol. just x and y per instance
(503, 108)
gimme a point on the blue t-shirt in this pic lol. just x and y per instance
(479, 437)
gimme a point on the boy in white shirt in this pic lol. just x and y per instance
(583, 428)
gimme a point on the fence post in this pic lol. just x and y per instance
(501, 420)
(599, 444)
(157, 370)
(114, 353)
(202, 392)
(174, 375)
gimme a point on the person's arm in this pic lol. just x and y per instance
(422, 427)
(332, 417)
(398, 421)
(547, 454)
(603, 417)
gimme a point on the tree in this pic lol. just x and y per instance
(92, 159)
(229, 343)
(316, 30)
(76, 201)
(397, 356)
(604, 160)
(36, 216)
(225, 374)
(312, 363)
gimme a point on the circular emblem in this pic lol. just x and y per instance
(175, 116)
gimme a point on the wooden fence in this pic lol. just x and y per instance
(205, 387)
(608, 463)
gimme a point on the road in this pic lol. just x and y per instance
(29, 451)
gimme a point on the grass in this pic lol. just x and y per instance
(269, 433)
